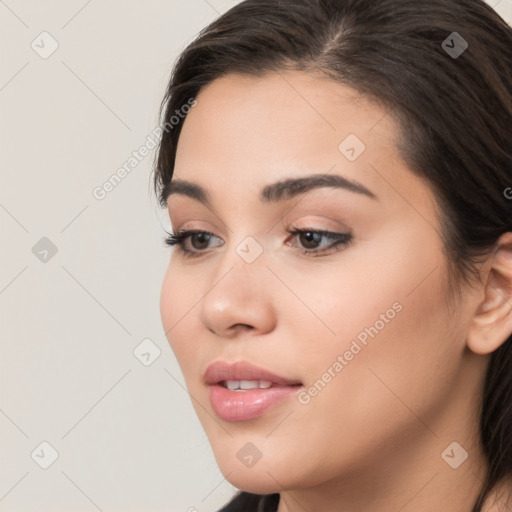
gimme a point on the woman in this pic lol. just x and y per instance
(338, 177)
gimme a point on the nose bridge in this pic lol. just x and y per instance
(250, 250)
(239, 292)
(243, 265)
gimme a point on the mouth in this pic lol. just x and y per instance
(244, 385)
(244, 375)
(242, 391)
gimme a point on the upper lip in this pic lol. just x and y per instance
(220, 371)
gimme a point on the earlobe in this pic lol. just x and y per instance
(491, 324)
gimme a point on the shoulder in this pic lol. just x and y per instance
(248, 502)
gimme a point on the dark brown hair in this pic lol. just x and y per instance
(453, 113)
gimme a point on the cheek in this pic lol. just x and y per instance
(399, 373)
(177, 299)
(391, 351)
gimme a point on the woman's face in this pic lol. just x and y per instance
(362, 327)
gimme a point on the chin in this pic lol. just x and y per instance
(261, 483)
(263, 477)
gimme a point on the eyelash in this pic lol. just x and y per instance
(341, 241)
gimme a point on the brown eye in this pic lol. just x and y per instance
(310, 239)
(198, 240)
(202, 240)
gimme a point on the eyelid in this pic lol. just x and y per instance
(318, 215)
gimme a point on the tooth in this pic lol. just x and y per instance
(241, 385)
(233, 384)
(249, 384)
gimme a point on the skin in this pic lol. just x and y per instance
(372, 438)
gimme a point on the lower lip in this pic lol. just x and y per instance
(249, 404)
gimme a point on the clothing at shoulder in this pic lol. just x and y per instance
(248, 502)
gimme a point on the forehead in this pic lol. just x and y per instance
(246, 132)
(291, 106)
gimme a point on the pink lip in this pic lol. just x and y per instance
(251, 403)
(241, 370)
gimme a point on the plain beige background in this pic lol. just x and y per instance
(93, 412)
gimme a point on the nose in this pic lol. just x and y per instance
(239, 297)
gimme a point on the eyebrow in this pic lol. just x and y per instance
(281, 190)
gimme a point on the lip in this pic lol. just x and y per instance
(242, 370)
(232, 405)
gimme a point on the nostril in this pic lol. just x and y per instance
(242, 327)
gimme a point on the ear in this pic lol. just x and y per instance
(491, 324)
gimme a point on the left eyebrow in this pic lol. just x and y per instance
(291, 187)
(279, 191)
